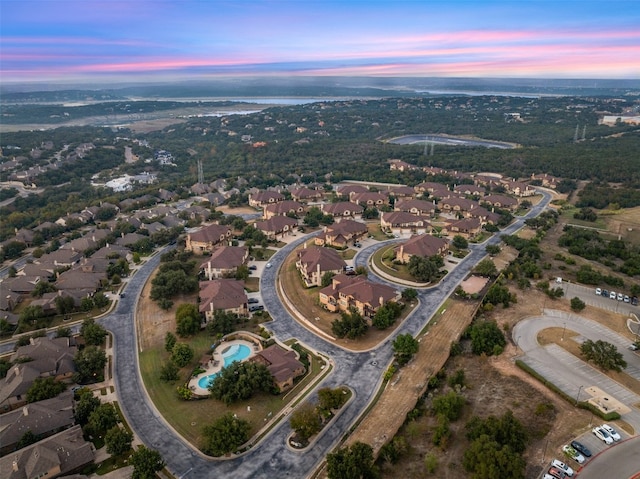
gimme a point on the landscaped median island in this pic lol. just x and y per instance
(240, 383)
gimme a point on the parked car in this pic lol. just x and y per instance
(581, 448)
(627, 299)
(357, 245)
(557, 473)
(602, 435)
(612, 295)
(620, 296)
(573, 454)
(615, 435)
(253, 300)
(253, 267)
(599, 291)
(562, 466)
(256, 307)
(633, 347)
(268, 265)
(605, 293)
(634, 300)
(548, 476)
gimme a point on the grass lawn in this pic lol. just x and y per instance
(189, 417)
(397, 270)
(376, 232)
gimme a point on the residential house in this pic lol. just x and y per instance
(401, 191)
(484, 215)
(347, 190)
(400, 222)
(21, 284)
(424, 245)
(264, 198)
(416, 207)
(283, 365)
(518, 188)
(435, 190)
(306, 194)
(314, 262)
(61, 258)
(340, 235)
(469, 190)
(342, 209)
(277, 226)
(59, 455)
(347, 292)
(547, 180)
(203, 240)
(49, 358)
(467, 227)
(370, 198)
(500, 201)
(224, 261)
(283, 208)
(42, 418)
(399, 165)
(457, 205)
(222, 295)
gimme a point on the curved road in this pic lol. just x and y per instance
(362, 371)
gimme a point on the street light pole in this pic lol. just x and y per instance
(517, 339)
(578, 395)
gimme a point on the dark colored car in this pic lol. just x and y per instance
(605, 293)
(253, 300)
(581, 448)
(634, 301)
(253, 267)
(256, 307)
(555, 472)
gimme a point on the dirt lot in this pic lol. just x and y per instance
(410, 382)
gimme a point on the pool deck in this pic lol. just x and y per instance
(216, 363)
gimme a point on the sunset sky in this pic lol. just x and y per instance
(68, 40)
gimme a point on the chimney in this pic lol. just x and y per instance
(381, 300)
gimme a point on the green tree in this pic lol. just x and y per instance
(487, 459)
(100, 300)
(352, 462)
(486, 338)
(92, 332)
(44, 388)
(86, 304)
(225, 435)
(169, 371)
(603, 354)
(351, 325)
(85, 405)
(459, 242)
(449, 405)
(103, 418)
(329, 398)
(146, 462)
(305, 420)
(486, 267)
(43, 287)
(404, 348)
(327, 279)
(27, 439)
(63, 332)
(188, 320)
(90, 363)
(493, 249)
(181, 354)
(425, 269)
(577, 304)
(409, 294)
(386, 315)
(118, 440)
(442, 432)
(224, 322)
(240, 380)
(169, 341)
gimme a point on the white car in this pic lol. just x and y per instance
(573, 454)
(602, 435)
(599, 291)
(563, 467)
(615, 435)
(612, 295)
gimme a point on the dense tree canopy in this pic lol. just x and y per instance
(240, 381)
(225, 435)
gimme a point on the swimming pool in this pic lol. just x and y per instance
(235, 352)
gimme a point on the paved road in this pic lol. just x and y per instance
(271, 458)
(620, 462)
